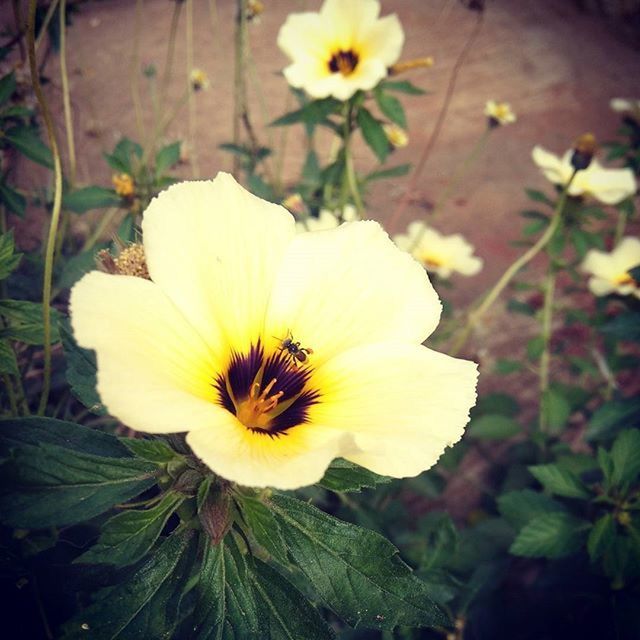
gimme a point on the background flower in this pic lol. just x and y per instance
(610, 271)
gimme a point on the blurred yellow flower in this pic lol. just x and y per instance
(340, 50)
(609, 186)
(396, 135)
(440, 254)
(199, 79)
(123, 184)
(327, 219)
(623, 105)
(499, 113)
(610, 272)
(275, 351)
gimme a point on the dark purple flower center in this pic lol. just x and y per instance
(268, 393)
(344, 62)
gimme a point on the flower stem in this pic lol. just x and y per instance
(134, 72)
(105, 221)
(507, 276)
(350, 172)
(193, 151)
(545, 358)
(620, 227)
(239, 80)
(55, 213)
(44, 27)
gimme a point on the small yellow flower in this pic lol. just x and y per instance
(199, 79)
(295, 204)
(328, 219)
(609, 186)
(123, 184)
(396, 135)
(274, 351)
(610, 272)
(255, 8)
(499, 113)
(440, 254)
(340, 50)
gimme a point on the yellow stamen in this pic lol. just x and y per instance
(255, 412)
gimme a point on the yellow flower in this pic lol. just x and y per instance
(123, 184)
(611, 271)
(623, 105)
(199, 79)
(275, 351)
(609, 186)
(340, 50)
(396, 135)
(327, 219)
(443, 255)
(499, 113)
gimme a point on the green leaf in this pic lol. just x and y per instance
(535, 227)
(559, 481)
(151, 449)
(373, 134)
(128, 536)
(312, 113)
(289, 614)
(24, 321)
(402, 86)
(226, 607)
(502, 403)
(264, 528)
(79, 265)
(538, 196)
(14, 201)
(88, 198)
(625, 455)
(356, 572)
(504, 366)
(46, 484)
(516, 306)
(167, 157)
(390, 107)
(343, 475)
(7, 86)
(550, 535)
(121, 158)
(493, 427)
(555, 409)
(81, 371)
(601, 536)
(392, 172)
(8, 363)
(610, 417)
(27, 142)
(147, 605)
(519, 508)
(9, 260)
(535, 347)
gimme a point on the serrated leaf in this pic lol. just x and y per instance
(264, 527)
(57, 474)
(7, 86)
(559, 481)
(343, 475)
(555, 409)
(550, 535)
(518, 508)
(88, 198)
(167, 157)
(493, 427)
(391, 107)
(9, 260)
(128, 536)
(403, 86)
(27, 142)
(612, 416)
(151, 449)
(122, 155)
(373, 134)
(24, 322)
(601, 536)
(312, 113)
(356, 572)
(14, 201)
(625, 455)
(81, 371)
(8, 363)
(147, 605)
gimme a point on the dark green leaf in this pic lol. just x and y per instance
(128, 536)
(147, 605)
(538, 196)
(9, 260)
(78, 266)
(81, 371)
(505, 367)
(121, 158)
(550, 535)
(264, 527)
(402, 86)
(13, 201)
(88, 198)
(311, 169)
(24, 321)
(601, 536)
(516, 306)
(555, 409)
(343, 475)
(150, 449)
(559, 481)
(519, 508)
(167, 157)
(373, 134)
(502, 403)
(535, 347)
(493, 427)
(391, 107)
(610, 417)
(7, 86)
(8, 363)
(312, 113)
(27, 142)
(534, 228)
(625, 455)
(356, 572)
(391, 172)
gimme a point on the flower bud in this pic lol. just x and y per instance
(408, 65)
(123, 184)
(214, 514)
(583, 151)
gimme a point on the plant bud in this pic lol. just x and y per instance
(583, 151)
(214, 514)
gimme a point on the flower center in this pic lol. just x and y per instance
(625, 278)
(430, 261)
(344, 62)
(267, 394)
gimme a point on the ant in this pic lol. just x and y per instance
(294, 350)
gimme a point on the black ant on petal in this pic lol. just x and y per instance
(297, 353)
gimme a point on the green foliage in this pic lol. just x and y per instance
(28, 143)
(9, 259)
(23, 322)
(559, 481)
(343, 475)
(373, 134)
(88, 198)
(550, 535)
(391, 107)
(493, 427)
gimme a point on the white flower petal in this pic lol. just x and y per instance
(384, 40)
(347, 20)
(610, 186)
(552, 166)
(600, 286)
(154, 370)
(214, 249)
(403, 404)
(350, 286)
(627, 253)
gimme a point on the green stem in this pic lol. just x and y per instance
(193, 127)
(134, 71)
(105, 221)
(507, 276)
(55, 213)
(8, 385)
(239, 79)
(545, 358)
(620, 227)
(352, 180)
